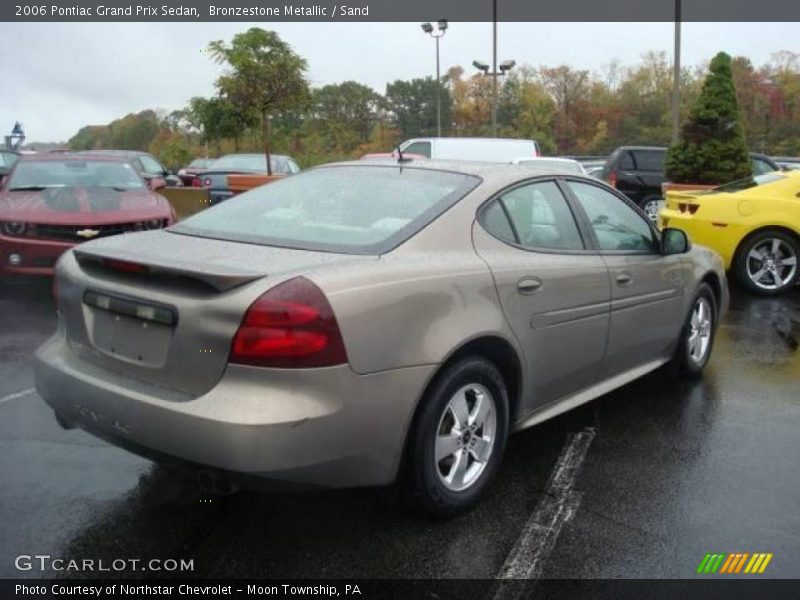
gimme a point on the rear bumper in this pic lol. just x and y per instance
(38, 257)
(320, 427)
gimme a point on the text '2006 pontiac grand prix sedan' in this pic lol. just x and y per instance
(366, 323)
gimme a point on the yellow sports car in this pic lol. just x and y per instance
(753, 223)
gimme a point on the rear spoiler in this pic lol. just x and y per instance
(209, 274)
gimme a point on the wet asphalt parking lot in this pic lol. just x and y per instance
(674, 469)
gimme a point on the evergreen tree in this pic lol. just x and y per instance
(712, 149)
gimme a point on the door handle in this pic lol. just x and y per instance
(624, 279)
(529, 285)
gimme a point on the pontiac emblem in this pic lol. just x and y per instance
(87, 234)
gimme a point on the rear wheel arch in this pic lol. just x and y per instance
(493, 348)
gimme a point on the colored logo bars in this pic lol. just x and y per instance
(736, 562)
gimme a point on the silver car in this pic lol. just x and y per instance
(364, 323)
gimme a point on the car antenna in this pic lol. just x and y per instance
(400, 157)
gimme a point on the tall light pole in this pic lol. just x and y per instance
(441, 29)
(499, 71)
(504, 67)
(676, 78)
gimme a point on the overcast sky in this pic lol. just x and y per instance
(58, 77)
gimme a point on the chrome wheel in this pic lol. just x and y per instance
(650, 209)
(465, 437)
(700, 327)
(771, 264)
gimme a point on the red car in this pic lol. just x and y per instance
(50, 203)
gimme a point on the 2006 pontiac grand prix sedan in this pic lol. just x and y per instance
(365, 323)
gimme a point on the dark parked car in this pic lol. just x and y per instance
(188, 174)
(215, 178)
(145, 164)
(638, 172)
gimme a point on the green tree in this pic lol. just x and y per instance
(712, 149)
(413, 106)
(264, 75)
(217, 118)
(350, 105)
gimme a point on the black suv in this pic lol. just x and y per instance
(638, 172)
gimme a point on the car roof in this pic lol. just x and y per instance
(120, 153)
(661, 148)
(490, 172)
(272, 155)
(72, 157)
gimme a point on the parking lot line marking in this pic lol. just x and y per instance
(527, 558)
(17, 395)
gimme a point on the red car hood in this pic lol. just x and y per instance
(82, 206)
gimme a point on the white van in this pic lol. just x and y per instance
(501, 150)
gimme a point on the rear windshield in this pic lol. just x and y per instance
(38, 175)
(348, 209)
(748, 182)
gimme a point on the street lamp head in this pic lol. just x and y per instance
(442, 25)
(427, 27)
(507, 65)
(480, 66)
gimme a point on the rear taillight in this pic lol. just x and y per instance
(291, 326)
(612, 179)
(197, 182)
(207, 182)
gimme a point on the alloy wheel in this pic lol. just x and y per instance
(771, 264)
(700, 327)
(465, 437)
(650, 209)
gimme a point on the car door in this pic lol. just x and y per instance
(646, 287)
(553, 290)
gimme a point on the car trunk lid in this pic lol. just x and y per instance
(163, 307)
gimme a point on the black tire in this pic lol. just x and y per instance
(685, 358)
(425, 485)
(744, 263)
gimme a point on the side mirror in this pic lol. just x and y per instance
(674, 241)
(173, 181)
(157, 183)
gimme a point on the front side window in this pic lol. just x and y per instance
(421, 148)
(539, 218)
(353, 210)
(617, 226)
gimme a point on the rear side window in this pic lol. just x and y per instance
(539, 218)
(626, 161)
(421, 148)
(649, 160)
(151, 166)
